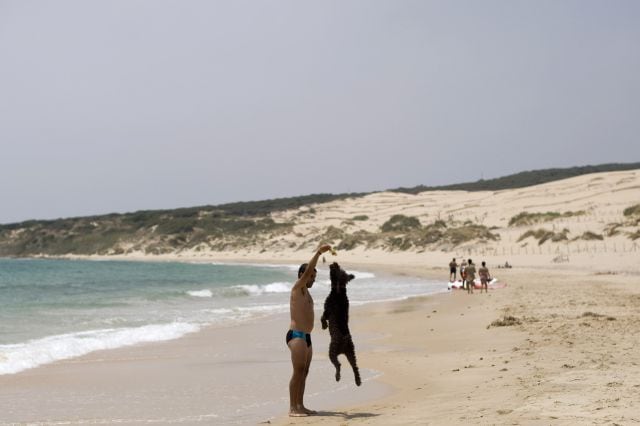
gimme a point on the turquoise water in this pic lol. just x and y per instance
(58, 309)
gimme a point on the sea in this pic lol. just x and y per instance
(54, 309)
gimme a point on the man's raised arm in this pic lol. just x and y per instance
(311, 266)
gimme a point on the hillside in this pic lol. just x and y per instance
(524, 179)
(593, 209)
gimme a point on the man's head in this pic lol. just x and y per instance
(470, 262)
(312, 277)
(484, 263)
(454, 259)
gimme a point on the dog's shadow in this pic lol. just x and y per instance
(345, 415)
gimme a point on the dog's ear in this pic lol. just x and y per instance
(350, 277)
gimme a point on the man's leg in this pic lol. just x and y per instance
(304, 382)
(298, 348)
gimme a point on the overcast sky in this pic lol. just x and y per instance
(115, 106)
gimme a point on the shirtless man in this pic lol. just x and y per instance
(299, 334)
(453, 266)
(470, 276)
(484, 277)
(463, 273)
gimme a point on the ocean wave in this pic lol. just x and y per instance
(260, 289)
(15, 358)
(200, 293)
(241, 314)
(362, 275)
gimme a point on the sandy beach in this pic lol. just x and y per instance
(429, 360)
(570, 360)
(568, 356)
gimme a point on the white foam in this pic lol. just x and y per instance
(241, 314)
(200, 293)
(257, 289)
(19, 357)
(362, 275)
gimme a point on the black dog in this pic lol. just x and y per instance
(336, 312)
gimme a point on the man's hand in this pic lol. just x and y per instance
(324, 248)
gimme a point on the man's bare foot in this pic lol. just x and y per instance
(297, 414)
(308, 411)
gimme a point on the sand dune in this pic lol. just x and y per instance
(600, 198)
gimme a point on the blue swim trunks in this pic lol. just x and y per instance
(295, 334)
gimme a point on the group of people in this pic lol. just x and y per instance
(468, 274)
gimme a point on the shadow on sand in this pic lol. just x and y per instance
(346, 416)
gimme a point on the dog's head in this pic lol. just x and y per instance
(339, 277)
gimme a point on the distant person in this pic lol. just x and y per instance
(485, 277)
(470, 275)
(463, 272)
(299, 334)
(453, 267)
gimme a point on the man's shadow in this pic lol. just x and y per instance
(344, 415)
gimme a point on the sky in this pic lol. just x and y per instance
(125, 105)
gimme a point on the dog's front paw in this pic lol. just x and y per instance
(358, 381)
(337, 375)
(324, 325)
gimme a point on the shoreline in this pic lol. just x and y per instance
(96, 364)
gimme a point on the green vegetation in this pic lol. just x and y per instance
(632, 211)
(523, 179)
(468, 232)
(403, 233)
(543, 235)
(526, 218)
(400, 223)
(439, 233)
(632, 219)
(151, 232)
(589, 236)
(612, 229)
(360, 238)
(506, 321)
(360, 217)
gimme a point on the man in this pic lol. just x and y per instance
(463, 274)
(484, 277)
(470, 272)
(453, 266)
(299, 334)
